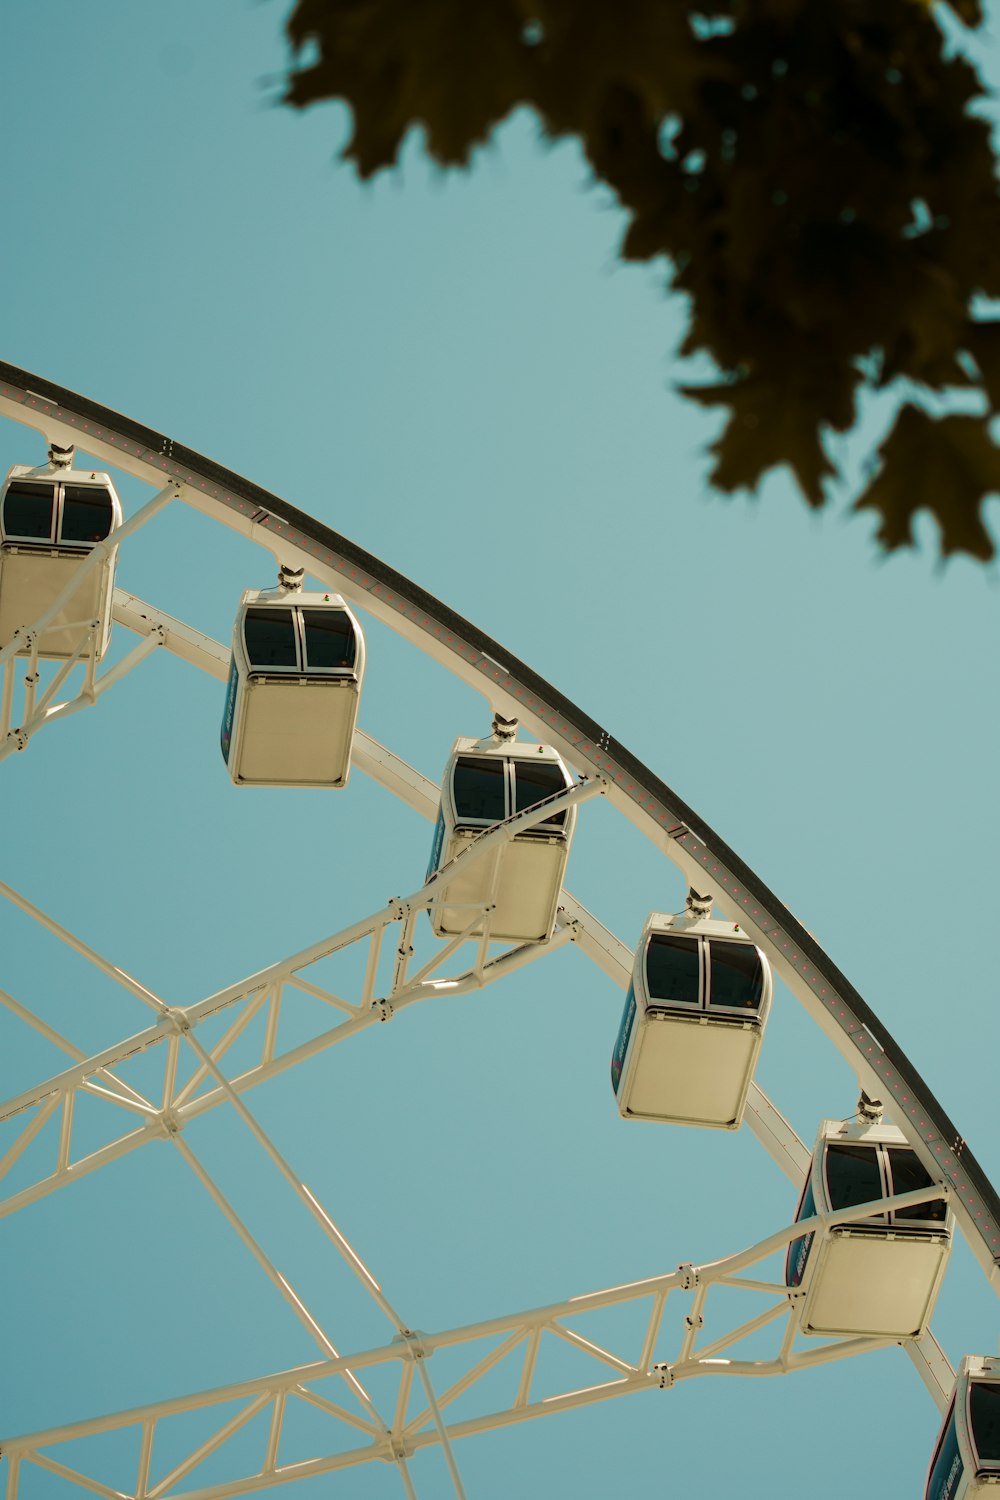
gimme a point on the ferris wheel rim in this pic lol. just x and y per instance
(36, 401)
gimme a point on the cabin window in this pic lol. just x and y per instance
(27, 511)
(87, 513)
(737, 975)
(480, 787)
(535, 780)
(852, 1175)
(270, 638)
(673, 969)
(984, 1416)
(908, 1174)
(329, 638)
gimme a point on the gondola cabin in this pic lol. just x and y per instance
(693, 1023)
(485, 782)
(966, 1461)
(294, 687)
(51, 519)
(879, 1275)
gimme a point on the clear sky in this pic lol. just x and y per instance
(455, 372)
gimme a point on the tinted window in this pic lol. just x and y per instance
(535, 780)
(27, 511)
(852, 1175)
(737, 975)
(673, 965)
(984, 1413)
(329, 638)
(87, 513)
(479, 789)
(270, 638)
(908, 1174)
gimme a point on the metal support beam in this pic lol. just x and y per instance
(525, 1335)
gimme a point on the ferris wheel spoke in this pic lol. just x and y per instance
(113, 971)
(439, 1426)
(305, 1196)
(279, 1281)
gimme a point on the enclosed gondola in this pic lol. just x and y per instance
(485, 782)
(51, 519)
(966, 1460)
(879, 1274)
(693, 1023)
(294, 686)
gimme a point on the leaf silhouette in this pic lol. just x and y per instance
(946, 465)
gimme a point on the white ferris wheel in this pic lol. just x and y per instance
(882, 1193)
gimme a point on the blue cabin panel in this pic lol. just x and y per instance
(947, 1467)
(226, 737)
(624, 1035)
(436, 847)
(798, 1250)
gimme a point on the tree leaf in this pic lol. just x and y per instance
(945, 465)
(457, 69)
(772, 423)
(982, 340)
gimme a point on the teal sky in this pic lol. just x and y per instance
(456, 373)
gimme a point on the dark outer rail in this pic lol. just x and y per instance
(977, 1202)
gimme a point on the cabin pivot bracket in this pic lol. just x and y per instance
(870, 1109)
(697, 904)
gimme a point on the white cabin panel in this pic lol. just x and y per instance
(867, 1284)
(295, 734)
(30, 582)
(529, 875)
(689, 1072)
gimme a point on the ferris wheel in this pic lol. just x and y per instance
(882, 1193)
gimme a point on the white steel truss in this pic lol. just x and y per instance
(265, 991)
(519, 1339)
(268, 987)
(296, 540)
